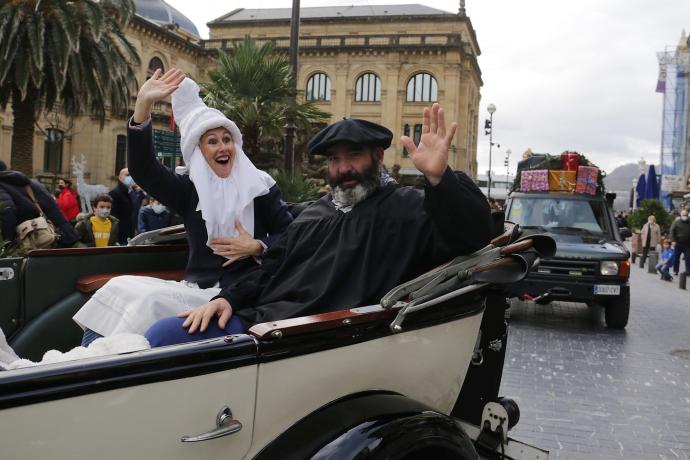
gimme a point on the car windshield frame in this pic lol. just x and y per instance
(565, 222)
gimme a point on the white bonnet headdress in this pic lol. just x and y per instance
(222, 201)
(194, 118)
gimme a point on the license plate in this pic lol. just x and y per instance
(605, 289)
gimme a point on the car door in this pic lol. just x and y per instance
(10, 308)
(138, 405)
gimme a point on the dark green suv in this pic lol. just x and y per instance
(591, 262)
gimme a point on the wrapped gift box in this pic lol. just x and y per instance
(535, 180)
(570, 160)
(562, 181)
(587, 180)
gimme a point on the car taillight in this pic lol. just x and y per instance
(624, 269)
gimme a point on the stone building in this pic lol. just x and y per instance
(163, 38)
(381, 63)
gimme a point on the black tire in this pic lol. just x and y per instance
(618, 310)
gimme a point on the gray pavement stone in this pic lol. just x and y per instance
(586, 391)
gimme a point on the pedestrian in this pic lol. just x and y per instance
(353, 245)
(651, 236)
(666, 261)
(22, 200)
(154, 216)
(123, 206)
(680, 234)
(67, 200)
(99, 228)
(137, 196)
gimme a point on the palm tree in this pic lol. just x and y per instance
(67, 55)
(253, 86)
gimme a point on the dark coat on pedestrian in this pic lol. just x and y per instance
(177, 192)
(84, 229)
(149, 220)
(123, 209)
(16, 207)
(680, 232)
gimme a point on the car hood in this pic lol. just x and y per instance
(610, 250)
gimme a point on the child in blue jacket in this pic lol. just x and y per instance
(666, 262)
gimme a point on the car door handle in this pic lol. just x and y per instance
(225, 425)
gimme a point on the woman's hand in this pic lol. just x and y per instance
(431, 155)
(201, 316)
(239, 247)
(155, 89)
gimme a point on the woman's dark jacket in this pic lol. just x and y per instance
(177, 192)
(16, 207)
(84, 229)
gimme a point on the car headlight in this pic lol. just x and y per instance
(609, 268)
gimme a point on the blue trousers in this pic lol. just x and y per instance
(169, 331)
(664, 268)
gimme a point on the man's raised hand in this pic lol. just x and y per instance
(430, 157)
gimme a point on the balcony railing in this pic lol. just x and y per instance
(347, 41)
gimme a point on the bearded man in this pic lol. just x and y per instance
(353, 245)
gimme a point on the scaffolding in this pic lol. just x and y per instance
(673, 83)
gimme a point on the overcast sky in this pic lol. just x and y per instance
(564, 75)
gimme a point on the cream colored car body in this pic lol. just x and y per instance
(147, 421)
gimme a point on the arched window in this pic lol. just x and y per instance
(368, 88)
(52, 150)
(319, 87)
(422, 87)
(154, 64)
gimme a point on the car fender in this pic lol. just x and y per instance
(372, 425)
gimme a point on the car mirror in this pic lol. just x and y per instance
(625, 232)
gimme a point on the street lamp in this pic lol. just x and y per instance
(507, 163)
(488, 129)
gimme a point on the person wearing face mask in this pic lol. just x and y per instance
(67, 199)
(153, 217)
(651, 236)
(680, 234)
(123, 207)
(99, 229)
(231, 211)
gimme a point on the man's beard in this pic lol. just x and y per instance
(368, 182)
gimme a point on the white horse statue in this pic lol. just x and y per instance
(87, 192)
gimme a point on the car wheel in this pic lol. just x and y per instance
(618, 310)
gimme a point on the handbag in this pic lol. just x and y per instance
(37, 233)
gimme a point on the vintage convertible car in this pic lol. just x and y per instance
(414, 377)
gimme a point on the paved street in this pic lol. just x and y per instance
(587, 392)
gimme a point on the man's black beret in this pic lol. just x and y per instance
(361, 132)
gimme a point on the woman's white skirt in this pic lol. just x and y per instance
(131, 304)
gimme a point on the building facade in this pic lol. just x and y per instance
(674, 84)
(164, 38)
(380, 63)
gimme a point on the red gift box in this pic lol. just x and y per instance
(571, 161)
(587, 180)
